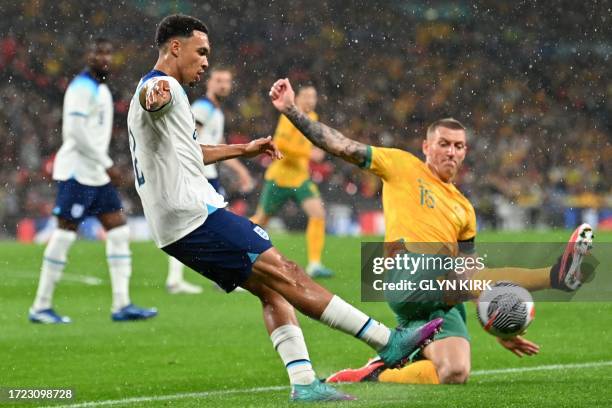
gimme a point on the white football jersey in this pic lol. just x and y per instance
(211, 132)
(169, 165)
(86, 132)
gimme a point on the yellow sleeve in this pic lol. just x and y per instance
(287, 139)
(385, 162)
(469, 231)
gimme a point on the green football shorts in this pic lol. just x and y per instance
(274, 197)
(413, 315)
(417, 307)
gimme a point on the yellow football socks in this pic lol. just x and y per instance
(420, 372)
(315, 239)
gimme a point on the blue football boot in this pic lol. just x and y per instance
(133, 312)
(47, 316)
(317, 391)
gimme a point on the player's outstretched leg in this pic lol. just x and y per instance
(54, 261)
(288, 340)
(565, 274)
(287, 278)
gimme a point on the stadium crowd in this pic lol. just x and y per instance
(530, 81)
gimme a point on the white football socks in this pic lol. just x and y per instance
(119, 260)
(342, 316)
(175, 271)
(53, 264)
(288, 341)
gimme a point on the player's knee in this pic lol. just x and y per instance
(317, 215)
(274, 269)
(453, 373)
(270, 299)
(67, 225)
(294, 273)
(118, 241)
(292, 270)
(315, 211)
(273, 301)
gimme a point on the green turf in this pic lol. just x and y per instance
(215, 345)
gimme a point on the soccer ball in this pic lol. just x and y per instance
(505, 310)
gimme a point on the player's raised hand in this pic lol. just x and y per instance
(282, 95)
(520, 346)
(264, 145)
(158, 95)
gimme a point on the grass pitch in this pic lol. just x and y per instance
(213, 350)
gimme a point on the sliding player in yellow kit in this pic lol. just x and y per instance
(422, 205)
(289, 178)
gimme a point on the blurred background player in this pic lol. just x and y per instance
(289, 178)
(210, 124)
(421, 204)
(85, 176)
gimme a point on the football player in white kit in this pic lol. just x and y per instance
(210, 124)
(84, 171)
(188, 219)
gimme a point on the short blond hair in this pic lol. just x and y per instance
(449, 123)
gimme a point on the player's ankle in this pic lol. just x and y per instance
(313, 266)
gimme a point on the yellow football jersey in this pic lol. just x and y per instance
(417, 205)
(293, 169)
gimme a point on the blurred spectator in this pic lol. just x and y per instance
(531, 80)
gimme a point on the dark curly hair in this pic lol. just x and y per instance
(177, 25)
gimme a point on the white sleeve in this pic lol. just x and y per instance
(161, 111)
(202, 110)
(78, 106)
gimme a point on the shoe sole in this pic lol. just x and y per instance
(321, 275)
(38, 321)
(371, 371)
(133, 318)
(427, 333)
(565, 278)
(429, 330)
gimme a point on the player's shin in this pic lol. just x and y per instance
(53, 264)
(342, 316)
(119, 260)
(315, 239)
(175, 271)
(288, 341)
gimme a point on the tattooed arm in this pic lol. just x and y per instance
(323, 136)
